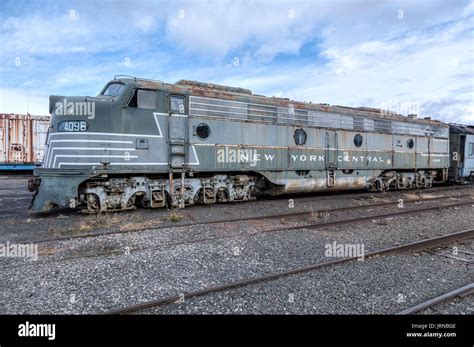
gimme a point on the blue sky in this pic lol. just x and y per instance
(402, 55)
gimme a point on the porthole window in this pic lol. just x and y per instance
(358, 140)
(300, 137)
(203, 131)
(410, 143)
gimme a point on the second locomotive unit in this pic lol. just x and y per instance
(148, 143)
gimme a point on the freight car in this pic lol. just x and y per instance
(148, 143)
(22, 139)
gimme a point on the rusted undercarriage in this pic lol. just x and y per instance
(391, 180)
(125, 193)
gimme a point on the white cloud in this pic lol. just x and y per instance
(432, 70)
(219, 27)
(13, 100)
(102, 27)
(267, 28)
(34, 34)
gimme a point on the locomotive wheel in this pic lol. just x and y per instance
(379, 186)
(222, 195)
(132, 201)
(93, 203)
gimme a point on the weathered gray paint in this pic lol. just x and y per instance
(127, 140)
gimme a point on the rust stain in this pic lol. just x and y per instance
(22, 138)
(212, 90)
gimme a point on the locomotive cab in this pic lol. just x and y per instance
(125, 129)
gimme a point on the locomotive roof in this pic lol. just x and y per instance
(461, 129)
(211, 90)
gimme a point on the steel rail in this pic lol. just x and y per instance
(190, 242)
(463, 291)
(283, 215)
(409, 247)
(366, 218)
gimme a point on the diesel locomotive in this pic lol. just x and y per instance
(148, 143)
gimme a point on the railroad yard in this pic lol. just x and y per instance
(270, 256)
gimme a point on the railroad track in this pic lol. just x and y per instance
(459, 292)
(258, 232)
(462, 256)
(288, 215)
(356, 194)
(319, 225)
(400, 249)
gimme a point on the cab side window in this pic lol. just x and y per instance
(177, 104)
(470, 152)
(143, 99)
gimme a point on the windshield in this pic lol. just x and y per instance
(114, 90)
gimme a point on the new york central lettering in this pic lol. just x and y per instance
(340, 158)
(245, 155)
(239, 155)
